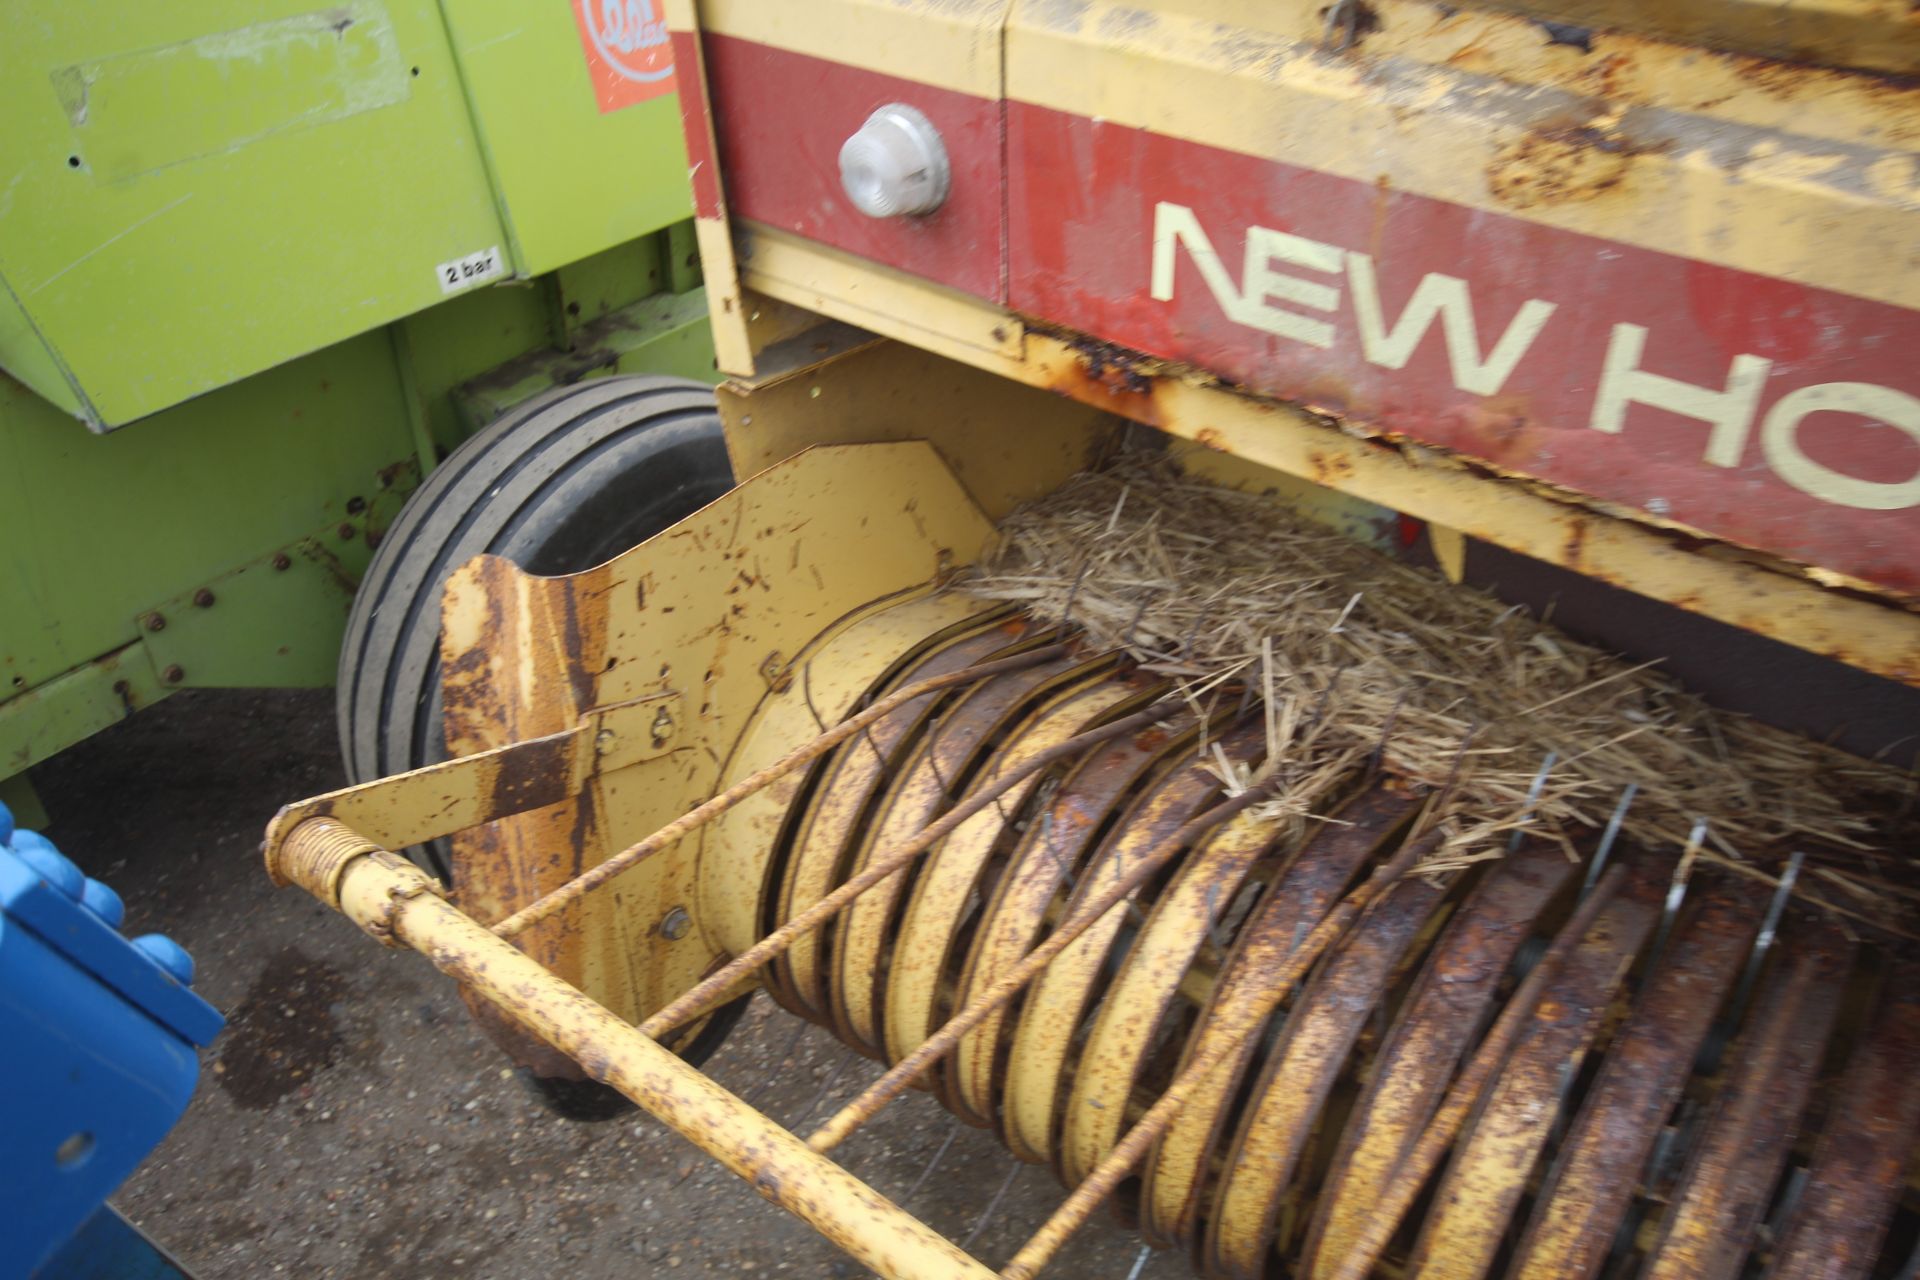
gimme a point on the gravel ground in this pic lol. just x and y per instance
(351, 1122)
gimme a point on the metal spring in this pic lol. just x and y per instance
(1674, 1093)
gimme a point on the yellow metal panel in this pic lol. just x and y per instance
(661, 619)
(1802, 173)
(1008, 443)
(841, 285)
(951, 44)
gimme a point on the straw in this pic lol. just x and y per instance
(1350, 649)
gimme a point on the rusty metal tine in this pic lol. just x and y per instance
(1533, 799)
(833, 1076)
(1046, 842)
(1558, 1128)
(773, 1068)
(1607, 838)
(1386, 732)
(1762, 943)
(986, 1214)
(1789, 1200)
(1073, 594)
(1769, 927)
(806, 694)
(1676, 894)
(1140, 1262)
(880, 868)
(1130, 1150)
(1446, 789)
(540, 908)
(1214, 931)
(1413, 1171)
(940, 1043)
(940, 1153)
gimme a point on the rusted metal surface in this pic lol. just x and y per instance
(1398, 1191)
(1176, 1175)
(936, 918)
(687, 615)
(1810, 607)
(1132, 1019)
(1722, 1194)
(1867, 1145)
(940, 764)
(1452, 998)
(845, 794)
(1130, 1150)
(1517, 1112)
(1041, 866)
(1051, 1014)
(1102, 906)
(1280, 1113)
(1598, 1169)
(836, 674)
(1591, 262)
(890, 863)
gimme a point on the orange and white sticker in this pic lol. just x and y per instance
(629, 58)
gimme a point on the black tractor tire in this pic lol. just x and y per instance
(560, 483)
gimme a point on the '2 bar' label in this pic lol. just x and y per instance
(475, 268)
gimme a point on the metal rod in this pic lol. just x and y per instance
(1130, 1150)
(1607, 838)
(953, 1131)
(773, 1068)
(1397, 1196)
(1763, 943)
(940, 1043)
(881, 868)
(540, 908)
(396, 901)
(986, 1214)
(826, 1086)
(1533, 799)
(1676, 894)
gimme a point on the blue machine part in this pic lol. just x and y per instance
(97, 1046)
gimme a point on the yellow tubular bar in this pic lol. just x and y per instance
(398, 903)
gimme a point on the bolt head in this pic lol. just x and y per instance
(154, 622)
(282, 562)
(345, 531)
(203, 598)
(677, 925)
(173, 674)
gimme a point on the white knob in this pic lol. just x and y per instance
(896, 164)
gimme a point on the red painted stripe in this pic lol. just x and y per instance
(781, 118)
(1082, 200)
